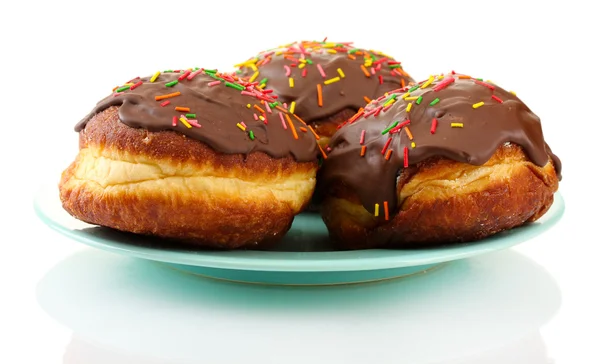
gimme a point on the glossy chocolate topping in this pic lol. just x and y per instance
(217, 109)
(346, 76)
(452, 116)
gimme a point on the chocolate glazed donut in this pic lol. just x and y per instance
(325, 83)
(192, 155)
(451, 159)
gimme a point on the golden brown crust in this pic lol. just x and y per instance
(167, 185)
(442, 201)
(327, 126)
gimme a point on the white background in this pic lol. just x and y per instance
(57, 59)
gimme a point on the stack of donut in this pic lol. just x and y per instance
(227, 160)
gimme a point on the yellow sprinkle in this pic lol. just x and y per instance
(253, 67)
(291, 82)
(328, 45)
(184, 122)
(332, 51)
(331, 80)
(254, 77)
(302, 65)
(248, 106)
(456, 125)
(514, 93)
(405, 95)
(293, 107)
(262, 118)
(241, 127)
(368, 62)
(440, 77)
(478, 105)
(413, 145)
(342, 75)
(408, 107)
(302, 60)
(128, 84)
(412, 98)
(278, 53)
(490, 81)
(376, 209)
(428, 82)
(390, 101)
(155, 77)
(247, 63)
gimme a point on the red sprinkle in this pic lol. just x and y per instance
(184, 75)
(434, 123)
(497, 98)
(386, 210)
(405, 157)
(165, 103)
(485, 84)
(174, 120)
(362, 137)
(380, 80)
(385, 147)
(138, 84)
(442, 85)
(304, 72)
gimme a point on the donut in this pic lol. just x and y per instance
(325, 83)
(196, 156)
(451, 159)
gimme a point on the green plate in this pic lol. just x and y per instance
(300, 259)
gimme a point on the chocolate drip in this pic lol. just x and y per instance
(219, 109)
(467, 131)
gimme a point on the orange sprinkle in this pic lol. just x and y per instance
(181, 108)
(351, 57)
(402, 83)
(300, 120)
(314, 132)
(322, 151)
(364, 69)
(386, 209)
(259, 109)
(281, 109)
(407, 130)
(320, 94)
(464, 77)
(363, 150)
(287, 116)
(367, 100)
(162, 97)
(303, 129)
(359, 53)
(388, 154)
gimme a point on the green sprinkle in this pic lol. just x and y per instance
(414, 88)
(251, 134)
(235, 86)
(238, 71)
(167, 71)
(274, 104)
(353, 50)
(479, 79)
(172, 83)
(309, 61)
(386, 130)
(437, 99)
(215, 77)
(395, 66)
(418, 102)
(210, 71)
(196, 68)
(123, 88)
(190, 115)
(263, 81)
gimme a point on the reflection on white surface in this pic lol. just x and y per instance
(123, 310)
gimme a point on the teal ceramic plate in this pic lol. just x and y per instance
(301, 258)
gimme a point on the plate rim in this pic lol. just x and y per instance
(330, 261)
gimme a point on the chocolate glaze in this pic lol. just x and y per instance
(218, 108)
(348, 93)
(484, 129)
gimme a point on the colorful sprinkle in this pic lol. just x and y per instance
(162, 97)
(165, 103)
(291, 126)
(434, 124)
(341, 73)
(283, 121)
(408, 107)
(434, 101)
(478, 105)
(386, 130)
(321, 71)
(243, 128)
(365, 71)
(331, 80)
(214, 83)
(234, 85)
(293, 107)
(408, 133)
(291, 80)
(386, 209)
(497, 98)
(376, 210)
(251, 135)
(362, 136)
(388, 154)
(385, 147)
(405, 157)
(174, 122)
(190, 116)
(184, 122)
(253, 78)
(155, 76)
(456, 125)
(320, 95)
(419, 99)
(172, 83)
(123, 88)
